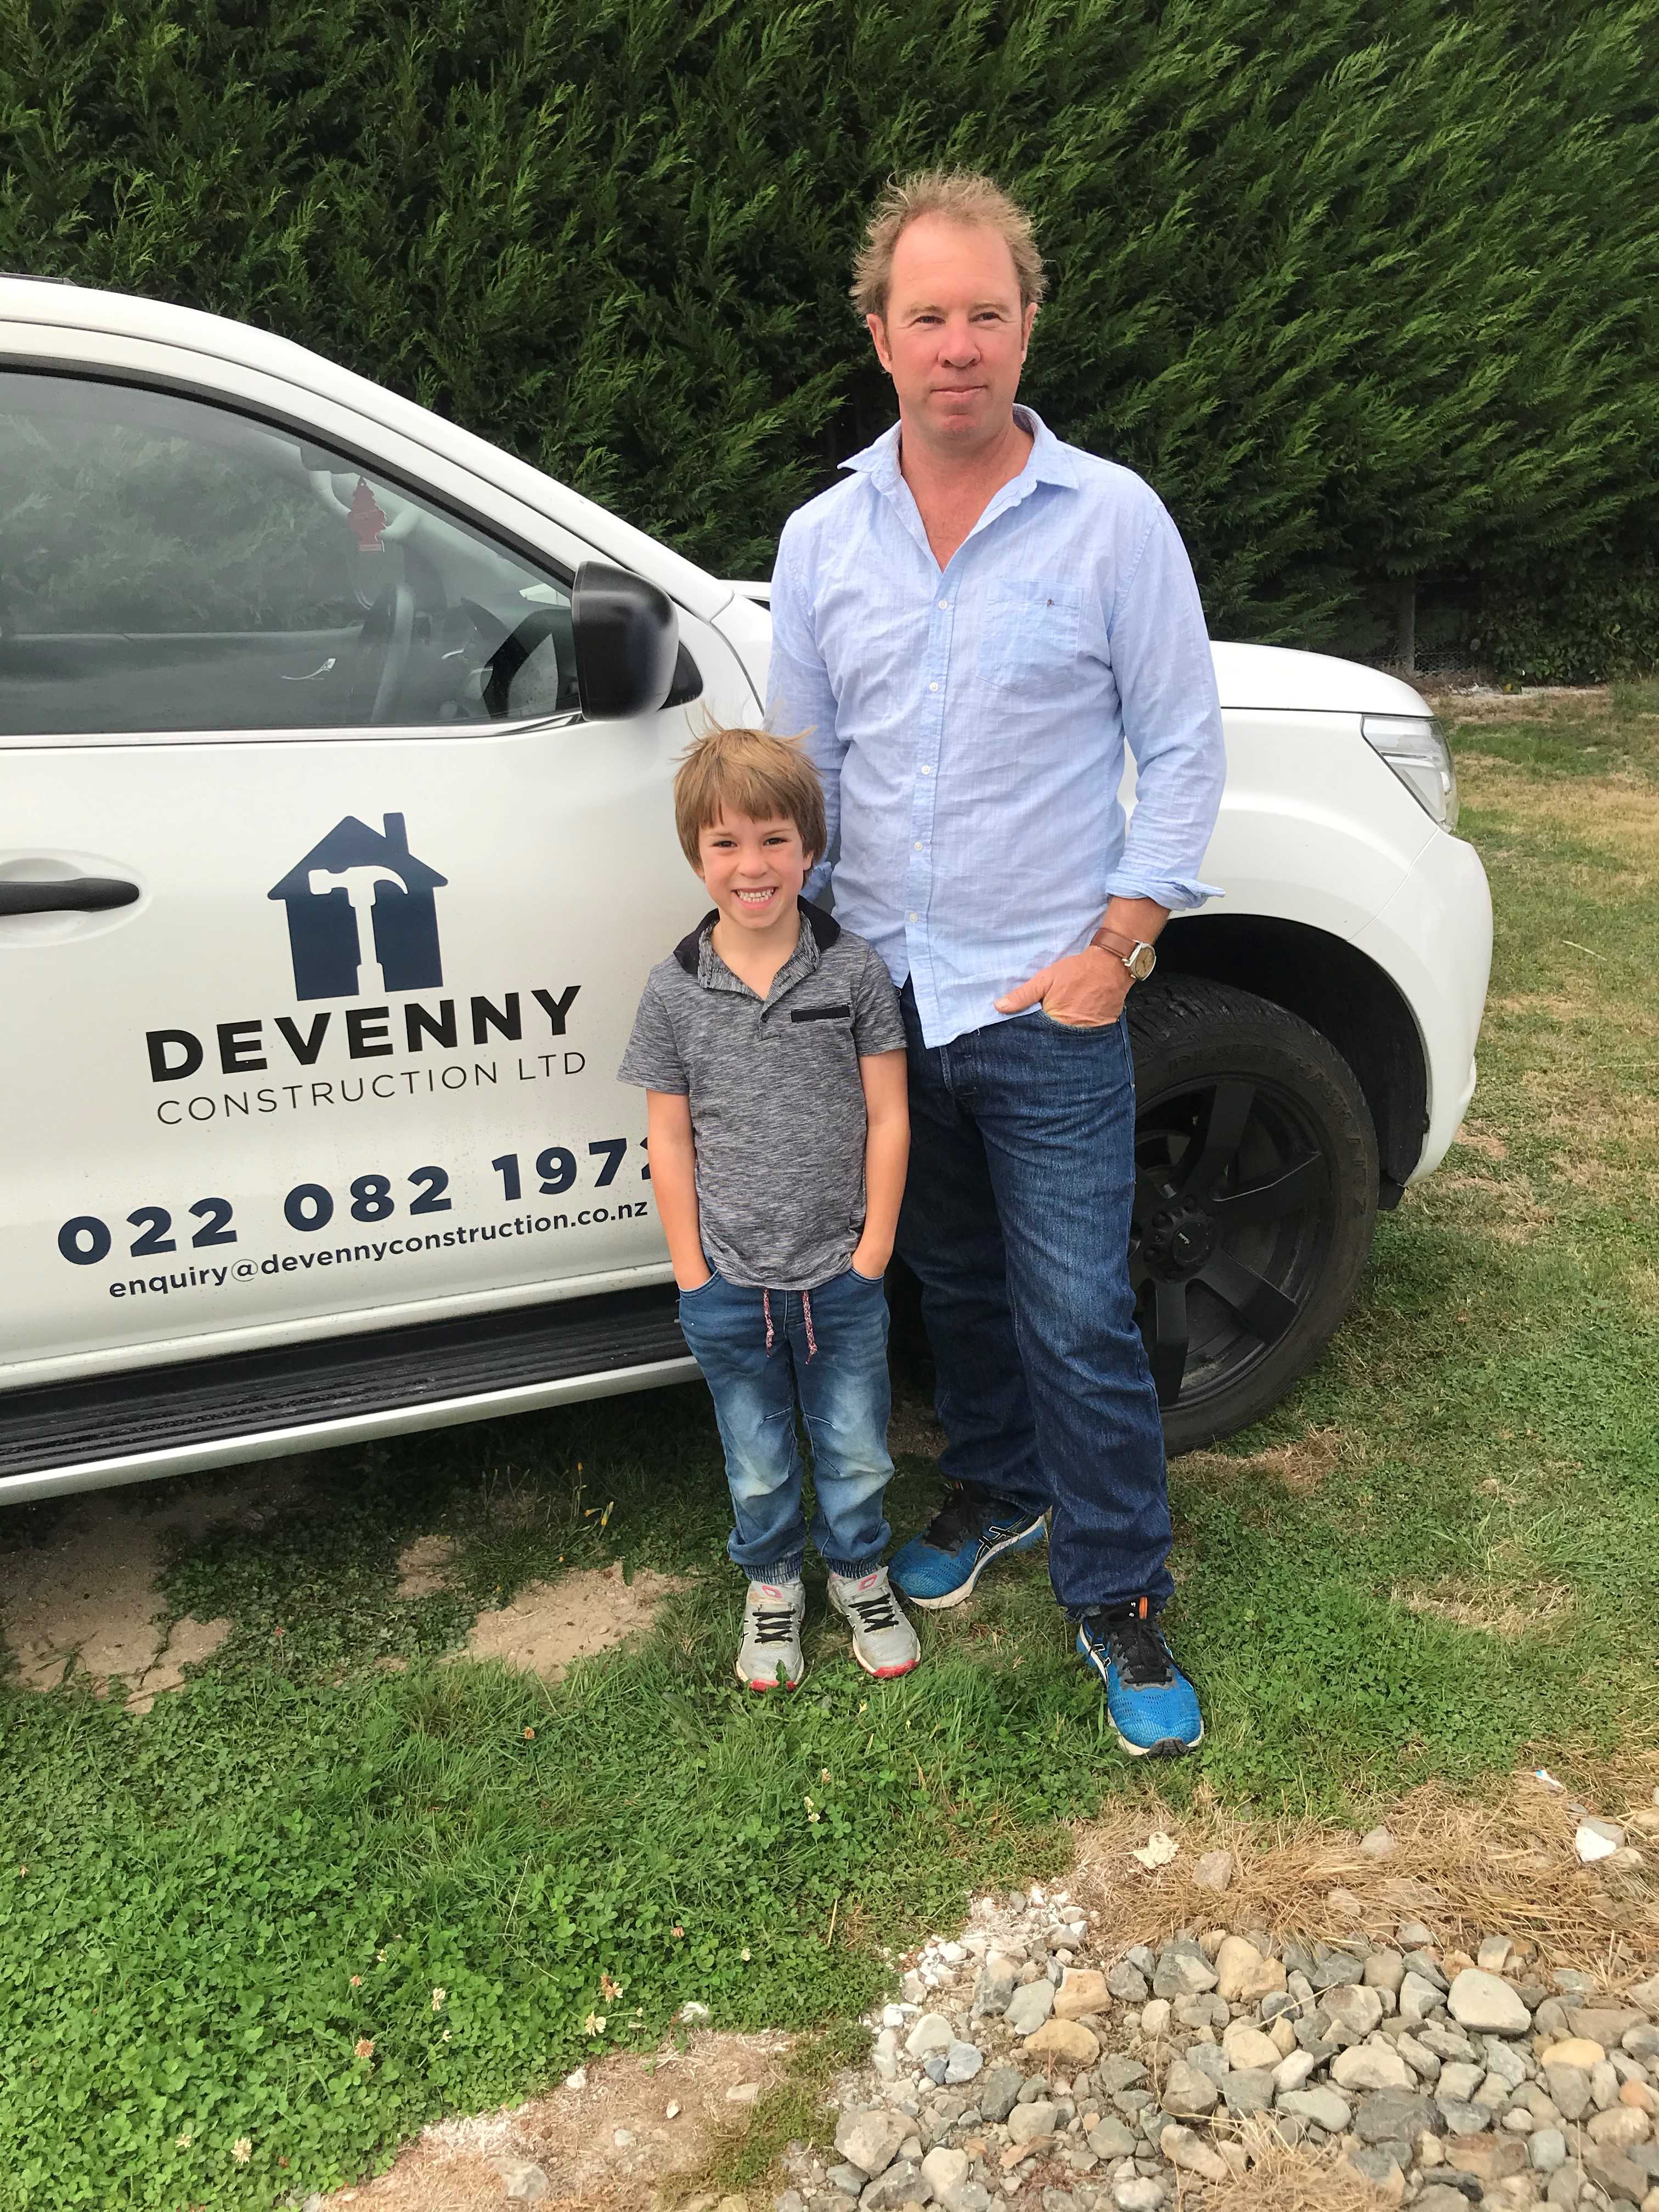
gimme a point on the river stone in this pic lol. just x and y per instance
(1136, 2192)
(963, 2061)
(903, 2184)
(1121, 2072)
(1371, 2066)
(1247, 2090)
(869, 2140)
(1547, 2148)
(1066, 2038)
(1247, 2048)
(1324, 2107)
(1384, 1970)
(945, 2170)
(1419, 1998)
(1601, 2024)
(1338, 1970)
(1081, 1990)
(1236, 1961)
(1185, 2150)
(1487, 2003)
(1183, 1973)
(1187, 2093)
(1290, 2073)
(1490, 2158)
(1354, 2012)
(1127, 1983)
(1210, 2058)
(1027, 2122)
(1460, 2081)
(1111, 2139)
(1620, 2126)
(1215, 1870)
(1392, 2117)
(932, 2032)
(1612, 2170)
(1030, 2007)
(998, 2091)
(1463, 2119)
(998, 1979)
(1570, 2090)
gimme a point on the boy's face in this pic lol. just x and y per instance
(753, 870)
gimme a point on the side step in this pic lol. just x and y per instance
(330, 1382)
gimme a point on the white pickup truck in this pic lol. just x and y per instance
(335, 843)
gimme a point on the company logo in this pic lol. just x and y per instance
(362, 919)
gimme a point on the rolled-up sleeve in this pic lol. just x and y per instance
(800, 701)
(1171, 712)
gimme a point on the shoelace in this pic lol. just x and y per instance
(875, 1611)
(955, 1518)
(1142, 1657)
(770, 1626)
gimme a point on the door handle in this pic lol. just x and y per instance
(68, 895)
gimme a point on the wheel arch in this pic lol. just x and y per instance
(1339, 991)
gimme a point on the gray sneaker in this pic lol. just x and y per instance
(884, 1642)
(771, 1657)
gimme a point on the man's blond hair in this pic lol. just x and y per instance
(748, 772)
(962, 196)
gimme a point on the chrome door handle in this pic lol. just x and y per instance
(68, 895)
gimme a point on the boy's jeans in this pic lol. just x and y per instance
(828, 1352)
(1016, 1221)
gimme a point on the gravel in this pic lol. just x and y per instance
(1033, 2064)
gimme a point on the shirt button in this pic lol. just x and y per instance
(918, 845)
(909, 917)
(928, 771)
(933, 687)
(944, 606)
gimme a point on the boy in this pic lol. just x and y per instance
(771, 1050)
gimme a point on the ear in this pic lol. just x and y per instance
(1030, 324)
(878, 330)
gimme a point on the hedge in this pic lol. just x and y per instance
(1369, 291)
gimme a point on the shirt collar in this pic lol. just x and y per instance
(1050, 460)
(697, 955)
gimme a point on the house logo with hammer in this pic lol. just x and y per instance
(362, 919)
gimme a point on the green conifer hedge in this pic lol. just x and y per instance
(1369, 292)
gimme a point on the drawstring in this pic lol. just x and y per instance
(806, 1310)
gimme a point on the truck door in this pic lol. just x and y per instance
(323, 914)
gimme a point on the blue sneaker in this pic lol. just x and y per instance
(1153, 1705)
(939, 1568)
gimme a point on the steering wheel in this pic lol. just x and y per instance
(394, 612)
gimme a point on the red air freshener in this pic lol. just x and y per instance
(366, 518)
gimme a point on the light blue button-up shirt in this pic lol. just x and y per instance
(970, 723)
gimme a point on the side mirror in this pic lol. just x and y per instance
(627, 642)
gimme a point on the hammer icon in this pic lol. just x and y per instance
(358, 885)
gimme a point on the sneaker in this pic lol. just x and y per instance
(884, 1641)
(1153, 1707)
(771, 1657)
(940, 1567)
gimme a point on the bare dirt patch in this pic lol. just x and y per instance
(913, 1431)
(1484, 1142)
(549, 1625)
(423, 1566)
(89, 1599)
(1546, 703)
(460, 2166)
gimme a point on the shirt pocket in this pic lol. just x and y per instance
(1031, 631)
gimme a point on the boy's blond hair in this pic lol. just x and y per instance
(962, 196)
(748, 772)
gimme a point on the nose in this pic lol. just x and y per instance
(961, 343)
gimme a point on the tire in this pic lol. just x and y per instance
(1256, 1197)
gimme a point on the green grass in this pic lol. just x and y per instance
(203, 1883)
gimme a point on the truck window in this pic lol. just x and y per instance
(169, 564)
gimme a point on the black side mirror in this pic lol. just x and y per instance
(627, 642)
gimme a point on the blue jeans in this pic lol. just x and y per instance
(1016, 1222)
(825, 1350)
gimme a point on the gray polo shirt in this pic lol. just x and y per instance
(777, 1104)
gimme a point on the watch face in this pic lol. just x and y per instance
(1141, 962)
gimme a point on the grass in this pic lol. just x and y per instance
(1435, 1560)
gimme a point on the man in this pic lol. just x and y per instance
(971, 627)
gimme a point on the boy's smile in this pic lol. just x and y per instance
(754, 872)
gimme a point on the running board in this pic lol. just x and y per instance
(289, 1398)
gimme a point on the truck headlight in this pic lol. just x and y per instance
(1415, 748)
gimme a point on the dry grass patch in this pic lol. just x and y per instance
(1284, 2177)
(1556, 704)
(1508, 1614)
(1486, 1142)
(1300, 1465)
(1467, 1867)
(1617, 814)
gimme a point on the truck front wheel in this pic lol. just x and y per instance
(1255, 1196)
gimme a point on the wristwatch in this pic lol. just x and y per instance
(1136, 955)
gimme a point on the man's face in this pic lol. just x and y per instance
(953, 338)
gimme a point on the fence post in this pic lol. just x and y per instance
(1404, 625)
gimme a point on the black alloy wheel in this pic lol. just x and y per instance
(1256, 1197)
